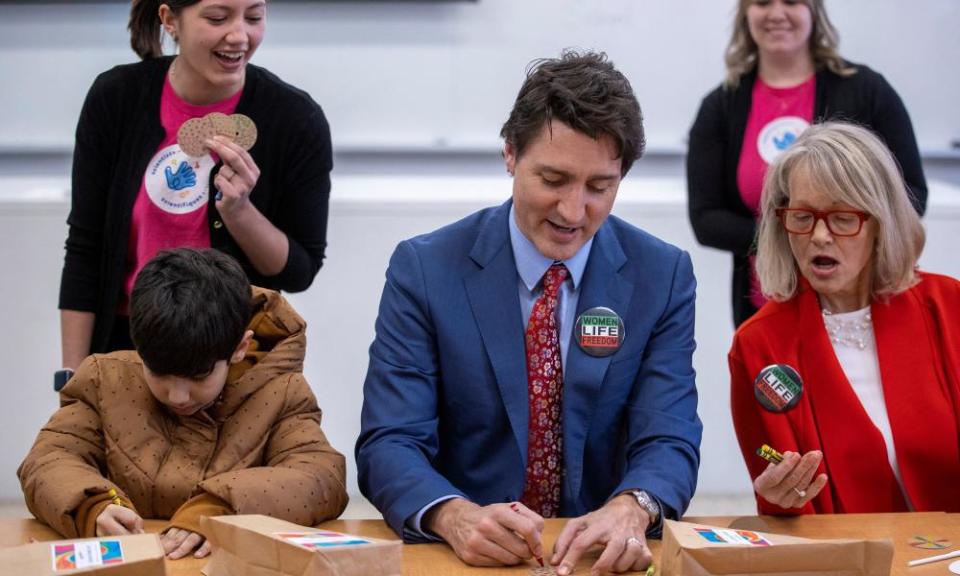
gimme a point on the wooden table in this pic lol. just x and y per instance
(432, 559)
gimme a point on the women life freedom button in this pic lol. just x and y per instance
(778, 388)
(599, 331)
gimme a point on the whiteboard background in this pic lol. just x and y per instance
(441, 76)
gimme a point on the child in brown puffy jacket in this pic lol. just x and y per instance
(211, 415)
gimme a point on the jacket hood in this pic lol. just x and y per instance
(278, 347)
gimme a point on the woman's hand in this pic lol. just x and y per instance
(790, 484)
(237, 176)
(267, 247)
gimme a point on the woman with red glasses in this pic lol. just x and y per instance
(852, 370)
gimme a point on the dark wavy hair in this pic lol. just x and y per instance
(144, 25)
(188, 310)
(585, 92)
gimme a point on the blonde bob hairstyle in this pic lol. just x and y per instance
(851, 166)
(742, 53)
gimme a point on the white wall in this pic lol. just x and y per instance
(442, 75)
(368, 218)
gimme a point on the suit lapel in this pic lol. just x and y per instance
(602, 285)
(495, 302)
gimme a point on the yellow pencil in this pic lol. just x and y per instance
(115, 497)
(769, 454)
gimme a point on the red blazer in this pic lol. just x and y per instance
(918, 344)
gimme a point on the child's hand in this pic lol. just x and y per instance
(118, 520)
(178, 542)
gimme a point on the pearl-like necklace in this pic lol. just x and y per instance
(854, 332)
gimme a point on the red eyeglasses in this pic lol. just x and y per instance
(839, 222)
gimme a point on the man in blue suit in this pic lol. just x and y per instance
(534, 359)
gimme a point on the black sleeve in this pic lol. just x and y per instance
(93, 155)
(302, 214)
(892, 123)
(715, 223)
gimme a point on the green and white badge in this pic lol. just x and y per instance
(599, 331)
(778, 388)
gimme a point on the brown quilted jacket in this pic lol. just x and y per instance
(259, 448)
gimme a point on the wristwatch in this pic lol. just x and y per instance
(60, 378)
(649, 505)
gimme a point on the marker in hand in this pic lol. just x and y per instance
(516, 508)
(769, 454)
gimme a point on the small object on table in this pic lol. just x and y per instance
(140, 554)
(937, 558)
(930, 543)
(239, 541)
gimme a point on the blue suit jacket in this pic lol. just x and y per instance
(445, 399)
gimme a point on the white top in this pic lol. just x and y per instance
(862, 369)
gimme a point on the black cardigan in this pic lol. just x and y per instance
(717, 213)
(119, 131)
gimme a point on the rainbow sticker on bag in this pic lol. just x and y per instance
(110, 552)
(86, 554)
(321, 539)
(735, 537)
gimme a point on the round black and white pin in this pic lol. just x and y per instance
(778, 388)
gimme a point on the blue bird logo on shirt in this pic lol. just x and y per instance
(184, 177)
(784, 142)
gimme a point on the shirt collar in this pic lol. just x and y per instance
(532, 265)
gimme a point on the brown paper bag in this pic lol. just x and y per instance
(699, 550)
(138, 555)
(255, 545)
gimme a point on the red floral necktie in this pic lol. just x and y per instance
(541, 490)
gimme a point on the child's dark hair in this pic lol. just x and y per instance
(188, 310)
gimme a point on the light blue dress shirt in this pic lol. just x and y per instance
(531, 266)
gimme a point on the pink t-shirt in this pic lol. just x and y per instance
(777, 117)
(171, 208)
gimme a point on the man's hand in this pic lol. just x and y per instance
(790, 484)
(118, 520)
(494, 535)
(178, 542)
(620, 526)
